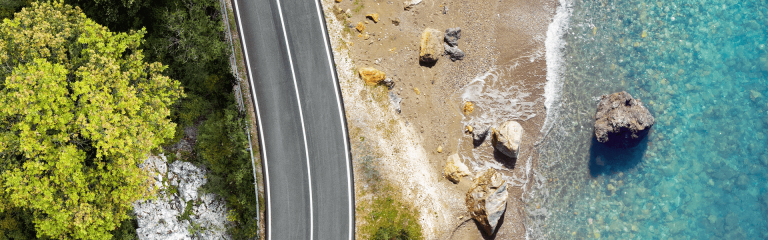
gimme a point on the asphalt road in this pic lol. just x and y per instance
(302, 131)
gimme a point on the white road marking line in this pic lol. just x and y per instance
(341, 118)
(301, 117)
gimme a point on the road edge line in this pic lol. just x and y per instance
(263, 149)
(342, 117)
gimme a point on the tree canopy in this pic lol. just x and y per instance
(80, 109)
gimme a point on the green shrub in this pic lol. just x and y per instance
(221, 145)
(390, 219)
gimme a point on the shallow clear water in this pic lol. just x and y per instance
(701, 68)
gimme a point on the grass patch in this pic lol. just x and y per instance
(358, 6)
(389, 218)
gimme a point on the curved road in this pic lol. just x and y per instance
(302, 129)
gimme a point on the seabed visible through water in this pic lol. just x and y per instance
(701, 68)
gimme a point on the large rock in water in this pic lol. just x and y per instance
(455, 169)
(507, 138)
(487, 200)
(622, 121)
(431, 47)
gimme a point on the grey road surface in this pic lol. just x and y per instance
(303, 135)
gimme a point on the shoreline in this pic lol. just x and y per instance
(506, 40)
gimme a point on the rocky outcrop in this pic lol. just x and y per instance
(455, 169)
(507, 138)
(430, 48)
(371, 76)
(452, 36)
(160, 218)
(621, 121)
(487, 200)
(187, 178)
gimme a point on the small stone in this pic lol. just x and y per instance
(416, 90)
(366, 36)
(468, 107)
(371, 76)
(712, 219)
(373, 16)
(360, 27)
(338, 1)
(367, 22)
(455, 169)
(396, 22)
(410, 4)
(469, 129)
(755, 95)
(439, 149)
(452, 36)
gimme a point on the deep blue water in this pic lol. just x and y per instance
(701, 68)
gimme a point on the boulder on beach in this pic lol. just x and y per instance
(622, 121)
(487, 200)
(371, 76)
(408, 4)
(430, 48)
(455, 169)
(507, 138)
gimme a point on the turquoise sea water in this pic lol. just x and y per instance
(701, 68)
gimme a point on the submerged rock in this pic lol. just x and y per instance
(371, 76)
(455, 169)
(507, 138)
(622, 121)
(468, 107)
(430, 48)
(487, 200)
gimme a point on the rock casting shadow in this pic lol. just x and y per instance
(505, 160)
(606, 160)
(495, 231)
(427, 64)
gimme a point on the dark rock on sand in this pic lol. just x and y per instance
(452, 36)
(622, 121)
(454, 52)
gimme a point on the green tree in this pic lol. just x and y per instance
(80, 109)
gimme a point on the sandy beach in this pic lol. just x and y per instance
(503, 40)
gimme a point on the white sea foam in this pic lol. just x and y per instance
(496, 100)
(555, 60)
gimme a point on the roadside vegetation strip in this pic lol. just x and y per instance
(238, 90)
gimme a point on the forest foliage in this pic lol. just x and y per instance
(81, 109)
(176, 44)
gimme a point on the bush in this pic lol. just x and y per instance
(221, 145)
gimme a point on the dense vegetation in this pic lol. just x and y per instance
(187, 38)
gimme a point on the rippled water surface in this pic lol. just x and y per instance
(701, 68)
